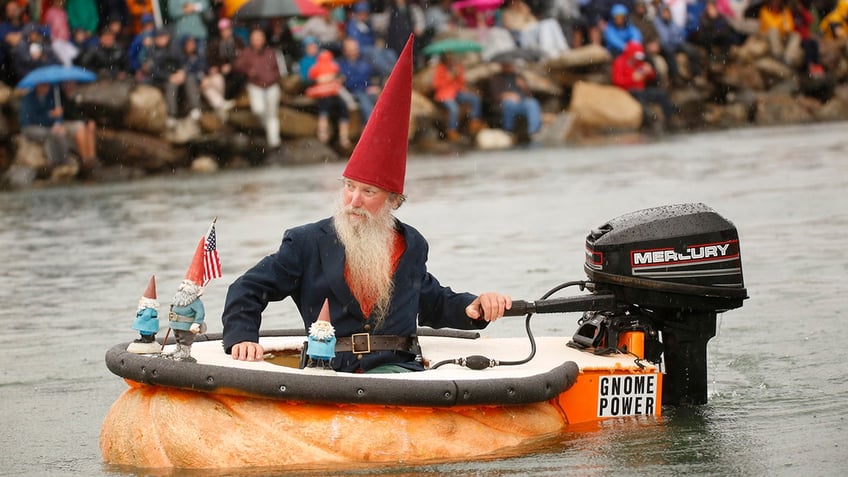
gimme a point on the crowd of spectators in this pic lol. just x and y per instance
(199, 58)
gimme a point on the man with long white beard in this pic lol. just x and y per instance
(369, 266)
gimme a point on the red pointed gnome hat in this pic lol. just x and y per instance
(195, 270)
(150, 291)
(379, 158)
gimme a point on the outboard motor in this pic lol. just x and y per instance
(671, 270)
(658, 278)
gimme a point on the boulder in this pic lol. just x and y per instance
(133, 149)
(146, 110)
(583, 58)
(493, 139)
(204, 165)
(105, 101)
(601, 108)
(295, 123)
(776, 109)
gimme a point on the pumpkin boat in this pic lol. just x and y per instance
(657, 279)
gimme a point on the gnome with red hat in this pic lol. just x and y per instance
(365, 264)
(187, 312)
(146, 322)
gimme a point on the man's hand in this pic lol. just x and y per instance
(247, 351)
(488, 306)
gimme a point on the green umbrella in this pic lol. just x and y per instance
(452, 45)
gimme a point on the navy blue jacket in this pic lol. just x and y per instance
(309, 267)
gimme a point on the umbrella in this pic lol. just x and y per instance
(335, 3)
(258, 9)
(55, 74)
(452, 45)
(510, 56)
(477, 4)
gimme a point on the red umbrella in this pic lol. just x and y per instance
(258, 9)
(477, 4)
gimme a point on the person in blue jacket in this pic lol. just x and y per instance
(619, 30)
(370, 267)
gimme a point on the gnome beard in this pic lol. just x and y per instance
(145, 302)
(187, 293)
(367, 241)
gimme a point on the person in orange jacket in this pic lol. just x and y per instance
(451, 92)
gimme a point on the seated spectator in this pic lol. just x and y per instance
(258, 63)
(83, 15)
(360, 78)
(450, 90)
(211, 86)
(596, 14)
(642, 19)
(325, 90)
(307, 60)
(167, 72)
(360, 29)
(531, 33)
(106, 58)
(33, 51)
(777, 25)
(620, 31)
(187, 17)
(510, 92)
(139, 11)
(715, 34)
(56, 19)
(803, 21)
(440, 21)
(11, 33)
(221, 53)
(40, 120)
(571, 20)
(140, 48)
(81, 129)
(631, 72)
(834, 25)
(325, 29)
(673, 41)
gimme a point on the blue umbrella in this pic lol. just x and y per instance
(55, 74)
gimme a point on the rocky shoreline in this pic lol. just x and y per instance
(579, 107)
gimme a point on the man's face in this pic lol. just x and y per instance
(351, 49)
(257, 39)
(359, 197)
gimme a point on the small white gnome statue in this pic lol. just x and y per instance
(321, 344)
(146, 322)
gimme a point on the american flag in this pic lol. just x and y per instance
(211, 262)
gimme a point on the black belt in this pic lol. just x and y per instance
(363, 343)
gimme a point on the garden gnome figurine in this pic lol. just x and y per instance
(321, 345)
(146, 322)
(187, 312)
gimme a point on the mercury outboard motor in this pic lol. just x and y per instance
(658, 278)
(671, 270)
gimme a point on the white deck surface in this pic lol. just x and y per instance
(550, 352)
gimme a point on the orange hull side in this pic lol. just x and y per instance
(158, 427)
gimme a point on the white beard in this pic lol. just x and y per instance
(187, 293)
(145, 302)
(368, 243)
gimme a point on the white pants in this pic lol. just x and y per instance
(265, 104)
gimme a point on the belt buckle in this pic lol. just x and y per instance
(367, 343)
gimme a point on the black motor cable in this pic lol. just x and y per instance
(482, 362)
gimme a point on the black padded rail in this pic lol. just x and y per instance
(339, 388)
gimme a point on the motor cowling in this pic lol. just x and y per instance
(671, 270)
